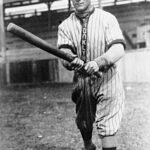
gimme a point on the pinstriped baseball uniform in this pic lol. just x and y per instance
(102, 32)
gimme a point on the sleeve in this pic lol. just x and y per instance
(64, 39)
(113, 33)
(65, 44)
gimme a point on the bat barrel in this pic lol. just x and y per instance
(10, 27)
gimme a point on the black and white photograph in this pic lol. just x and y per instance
(74, 74)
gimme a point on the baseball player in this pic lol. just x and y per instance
(93, 36)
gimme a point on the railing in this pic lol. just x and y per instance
(61, 7)
(105, 3)
(27, 54)
(8, 3)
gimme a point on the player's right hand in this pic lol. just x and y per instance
(77, 64)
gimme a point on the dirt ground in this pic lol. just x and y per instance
(42, 118)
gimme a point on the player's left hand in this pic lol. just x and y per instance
(91, 67)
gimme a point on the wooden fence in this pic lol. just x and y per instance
(135, 66)
(30, 65)
(33, 65)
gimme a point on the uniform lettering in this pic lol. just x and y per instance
(84, 30)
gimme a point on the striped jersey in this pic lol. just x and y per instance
(103, 31)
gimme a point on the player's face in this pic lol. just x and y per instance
(81, 5)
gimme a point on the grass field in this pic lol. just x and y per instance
(42, 118)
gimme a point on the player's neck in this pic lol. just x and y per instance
(86, 12)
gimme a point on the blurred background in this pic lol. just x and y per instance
(36, 112)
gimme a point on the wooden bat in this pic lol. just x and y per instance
(40, 43)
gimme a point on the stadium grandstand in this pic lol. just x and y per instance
(24, 63)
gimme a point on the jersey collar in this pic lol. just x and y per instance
(83, 16)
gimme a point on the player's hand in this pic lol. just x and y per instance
(77, 64)
(91, 67)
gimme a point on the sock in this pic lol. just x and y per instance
(89, 142)
(111, 148)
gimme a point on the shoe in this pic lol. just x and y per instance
(91, 147)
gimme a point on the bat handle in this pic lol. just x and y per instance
(97, 74)
(82, 70)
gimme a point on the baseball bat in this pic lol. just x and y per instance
(40, 43)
